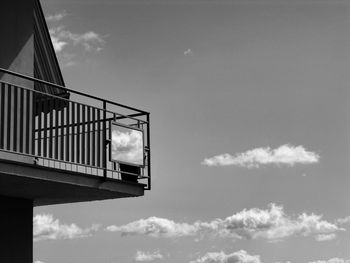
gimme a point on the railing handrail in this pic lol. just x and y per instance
(120, 116)
(69, 90)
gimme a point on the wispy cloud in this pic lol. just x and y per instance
(142, 256)
(38, 261)
(271, 224)
(56, 17)
(220, 257)
(156, 227)
(332, 260)
(326, 237)
(188, 52)
(68, 44)
(90, 41)
(284, 155)
(58, 44)
(344, 220)
(46, 227)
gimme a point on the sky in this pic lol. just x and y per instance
(250, 122)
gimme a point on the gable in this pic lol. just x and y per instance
(46, 66)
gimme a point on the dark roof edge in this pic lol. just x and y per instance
(52, 49)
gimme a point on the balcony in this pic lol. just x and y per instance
(52, 136)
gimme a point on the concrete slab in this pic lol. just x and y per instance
(46, 186)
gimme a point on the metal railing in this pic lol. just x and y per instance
(69, 134)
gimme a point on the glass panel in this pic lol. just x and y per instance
(127, 145)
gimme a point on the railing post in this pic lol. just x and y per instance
(104, 154)
(149, 152)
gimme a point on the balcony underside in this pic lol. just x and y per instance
(47, 186)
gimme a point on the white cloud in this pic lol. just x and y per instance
(156, 227)
(326, 237)
(38, 261)
(188, 52)
(220, 257)
(90, 41)
(284, 155)
(56, 17)
(344, 220)
(142, 256)
(68, 44)
(58, 44)
(332, 260)
(46, 227)
(271, 224)
(127, 145)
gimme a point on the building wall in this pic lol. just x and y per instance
(17, 39)
(16, 231)
(16, 54)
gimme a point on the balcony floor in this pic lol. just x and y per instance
(47, 186)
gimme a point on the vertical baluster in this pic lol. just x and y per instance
(104, 140)
(21, 120)
(51, 138)
(40, 109)
(45, 128)
(78, 133)
(15, 115)
(62, 131)
(31, 117)
(56, 128)
(93, 153)
(98, 138)
(110, 145)
(9, 123)
(2, 117)
(73, 133)
(88, 141)
(83, 150)
(67, 130)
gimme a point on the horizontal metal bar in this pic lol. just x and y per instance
(77, 124)
(120, 116)
(71, 163)
(69, 90)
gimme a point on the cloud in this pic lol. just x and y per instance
(188, 52)
(46, 227)
(127, 145)
(271, 224)
(38, 261)
(58, 44)
(326, 237)
(142, 256)
(344, 220)
(220, 257)
(56, 17)
(332, 260)
(243, 257)
(68, 44)
(284, 155)
(90, 41)
(156, 227)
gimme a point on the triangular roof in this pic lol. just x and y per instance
(46, 66)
